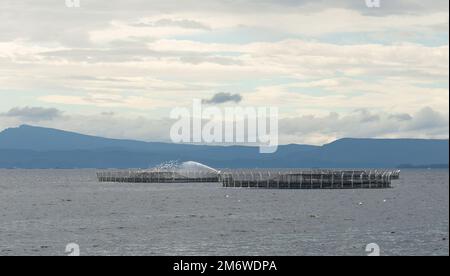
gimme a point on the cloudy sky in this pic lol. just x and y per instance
(333, 68)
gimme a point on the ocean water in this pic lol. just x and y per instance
(41, 211)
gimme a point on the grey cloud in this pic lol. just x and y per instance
(140, 128)
(387, 7)
(441, 27)
(33, 114)
(111, 113)
(407, 7)
(50, 20)
(424, 123)
(183, 23)
(427, 118)
(223, 97)
(401, 117)
(367, 117)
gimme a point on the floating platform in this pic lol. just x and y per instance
(262, 179)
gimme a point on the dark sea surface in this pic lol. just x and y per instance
(41, 211)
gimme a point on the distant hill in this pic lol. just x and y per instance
(36, 147)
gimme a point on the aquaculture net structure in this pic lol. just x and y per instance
(178, 176)
(309, 179)
(263, 179)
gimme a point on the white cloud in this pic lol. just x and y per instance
(306, 129)
(425, 123)
(153, 55)
(108, 100)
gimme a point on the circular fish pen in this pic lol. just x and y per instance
(171, 172)
(309, 179)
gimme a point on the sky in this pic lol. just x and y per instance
(333, 68)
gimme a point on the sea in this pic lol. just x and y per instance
(48, 212)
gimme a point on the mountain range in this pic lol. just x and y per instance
(37, 147)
